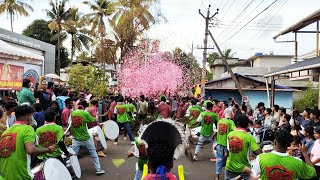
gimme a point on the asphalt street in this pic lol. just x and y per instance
(200, 170)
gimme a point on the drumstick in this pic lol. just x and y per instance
(181, 172)
(69, 126)
(145, 171)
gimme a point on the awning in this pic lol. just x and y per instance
(312, 18)
(307, 64)
(7, 49)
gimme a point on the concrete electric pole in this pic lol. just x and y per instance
(207, 18)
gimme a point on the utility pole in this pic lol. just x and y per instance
(207, 18)
(234, 78)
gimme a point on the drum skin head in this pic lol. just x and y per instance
(55, 170)
(111, 129)
(98, 131)
(75, 163)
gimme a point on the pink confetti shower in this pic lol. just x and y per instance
(147, 71)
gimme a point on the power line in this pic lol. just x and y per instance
(250, 21)
(272, 17)
(237, 17)
(228, 9)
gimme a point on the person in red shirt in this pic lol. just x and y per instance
(163, 108)
(65, 115)
(111, 109)
(93, 110)
(182, 109)
(216, 108)
(223, 107)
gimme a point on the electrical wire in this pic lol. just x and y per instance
(269, 20)
(226, 12)
(249, 21)
(239, 15)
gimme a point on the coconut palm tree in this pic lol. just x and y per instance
(132, 17)
(80, 37)
(59, 21)
(13, 7)
(101, 9)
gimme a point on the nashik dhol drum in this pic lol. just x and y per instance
(97, 133)
(72, 164)
(110, 129)
(183, 147)
(51, 169)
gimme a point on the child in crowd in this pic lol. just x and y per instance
(308, 141)
(257, 131)
(38, 115)
(294, 150)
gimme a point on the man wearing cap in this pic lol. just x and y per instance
(225, 126)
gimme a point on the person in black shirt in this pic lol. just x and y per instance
(314, 116)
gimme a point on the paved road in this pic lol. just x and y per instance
(200, 170)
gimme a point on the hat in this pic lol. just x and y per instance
(228, 113)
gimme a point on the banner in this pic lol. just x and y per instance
(11, 77)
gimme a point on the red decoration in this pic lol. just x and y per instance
(7, 144)
(121, 111)
(222, 128)
(195, 113)
(235, 144)
(76, 121)
(279, 172)
(208, 120)
(47, 138)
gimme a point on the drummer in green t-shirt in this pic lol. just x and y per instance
(51, 133)
(79, 131)
(194, 113)
(123, 113)
(280, 165)
(239, 144)
(225, 126)
(17, 145)
(208, 120)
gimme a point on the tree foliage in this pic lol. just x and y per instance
(87, 77)
(308, 100)
(14, 7)
(59, 21)
(39, 29)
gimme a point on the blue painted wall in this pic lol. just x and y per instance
(282, 98)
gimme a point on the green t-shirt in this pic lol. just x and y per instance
(225, 126)
(205, 103)
(194, 114)
(79, 120)
(239, 143)
(122, 113)
(208, 118)
(143, 158)
(13, 156)
(50, 134)
(132, 109)
(276, 165)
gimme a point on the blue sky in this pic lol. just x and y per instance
(185, 25)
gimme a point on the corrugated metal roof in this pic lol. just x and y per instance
(303, 65)
(314, 17)
(249, 78)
